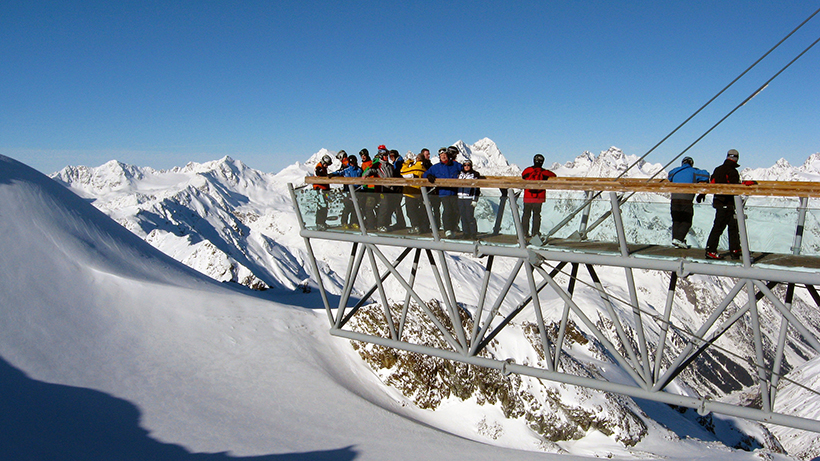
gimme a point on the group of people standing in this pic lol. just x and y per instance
(381, 206)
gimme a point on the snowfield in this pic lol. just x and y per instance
(114, 350)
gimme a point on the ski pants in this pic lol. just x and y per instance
(724, 217)
(466, 209)
(682, 212)
(532, 210)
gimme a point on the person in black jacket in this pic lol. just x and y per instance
(724, 206)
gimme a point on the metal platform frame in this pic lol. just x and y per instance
(542, 264)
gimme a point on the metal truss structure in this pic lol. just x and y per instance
(643, 352)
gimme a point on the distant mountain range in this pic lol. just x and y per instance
(224, 218)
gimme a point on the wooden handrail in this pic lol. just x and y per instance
(762, 188)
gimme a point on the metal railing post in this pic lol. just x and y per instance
(311, 256)
(630, 281)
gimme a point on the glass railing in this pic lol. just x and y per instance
(771, 222)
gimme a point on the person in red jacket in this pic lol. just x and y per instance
(534, 198)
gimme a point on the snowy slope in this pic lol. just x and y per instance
(229, 196)
(172, 363)
(176, 364)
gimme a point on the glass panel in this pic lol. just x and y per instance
(771, 224)
(771, 221)
(321, 209)
(811, 234)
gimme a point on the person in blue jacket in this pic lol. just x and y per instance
(352, 170)
(681, 208)
(447, 167)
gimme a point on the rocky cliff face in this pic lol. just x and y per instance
(555, 412)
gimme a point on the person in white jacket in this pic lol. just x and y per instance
(467, 200)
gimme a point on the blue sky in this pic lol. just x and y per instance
(272, 82)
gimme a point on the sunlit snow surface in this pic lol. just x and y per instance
(186, 365)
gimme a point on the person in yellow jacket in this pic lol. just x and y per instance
(413, 202)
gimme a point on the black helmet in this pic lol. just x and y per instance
(688, 161)
(352, 160)
(364, 152)
(342, 154)
(327, 160)
(452, 152)
(538, 160)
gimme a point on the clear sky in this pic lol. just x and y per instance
(161, 83)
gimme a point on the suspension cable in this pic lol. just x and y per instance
(722, 91)
(762, 87)
(597, 194)
(626, 197)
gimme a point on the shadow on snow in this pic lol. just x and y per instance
(39, 420)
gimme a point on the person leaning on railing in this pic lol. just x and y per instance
(367, 198)
(323, 191)
(681, 207)
(467, 200)
(382, 168)
(447, 168)
(534, 198)
(413, 202)
(352, 170)
(395, 202)
(724, 206)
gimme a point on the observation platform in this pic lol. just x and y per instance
(588, 216)
(805, 262)
(585, 223)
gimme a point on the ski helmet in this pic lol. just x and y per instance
(452, 152)
(327, 160)
(538, 160)
(467, 162)
(364, 153)
(688, 161)
(442, 150)
(352, 160)
(341, 155)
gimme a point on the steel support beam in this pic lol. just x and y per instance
(649, 379)
(682, 266)
(703, 406)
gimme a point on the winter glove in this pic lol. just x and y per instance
(473, 204)
(749, 183)
(431, 177)
(700, 198)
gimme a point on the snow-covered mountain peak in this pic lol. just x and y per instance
(782, 170)
(112, 176)
(812, 164)
(486, 157)
(608, 164)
